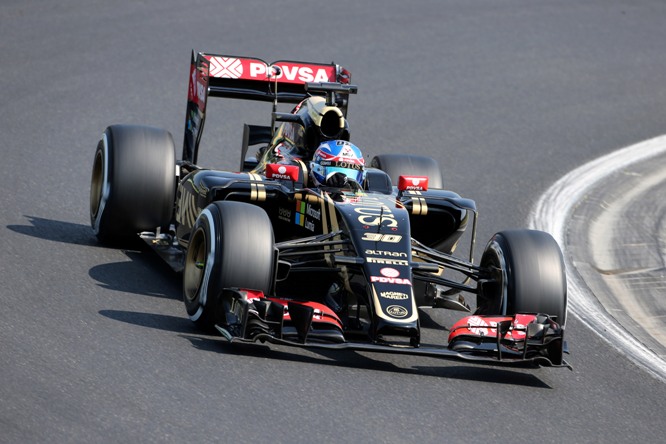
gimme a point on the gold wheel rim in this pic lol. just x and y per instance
(195, 264)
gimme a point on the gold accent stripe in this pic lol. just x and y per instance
(325, 230)
(424, 206)
(253, 188)
(261, 188)
(257, 190)
(333, 215)
(416, 206)
(324, 219)
(332, 226)
(304, 168)
(419, 206)
(192, 210)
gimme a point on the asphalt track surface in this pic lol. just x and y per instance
(509, 96)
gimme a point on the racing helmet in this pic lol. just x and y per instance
(335, 162)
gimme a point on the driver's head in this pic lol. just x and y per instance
(335, 162)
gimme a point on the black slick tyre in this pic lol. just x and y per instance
(528, 275)
(396, 165)
(133, 182)
(231, 246)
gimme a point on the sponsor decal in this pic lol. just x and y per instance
(396, 311)
(389, 272)
(390, 280)
(385, 253)
(186, 210)
(342, 164)
(304, 209)
(196, 91)
(347, 151)
(379, 237)
(289, 72)
(226, 67)
(390, 307)
(413, 183)
(256, 69)
(474, 322)
(394, 295)
(374, 212)
(201, 92)
(283, 172)
(284, 214)
(312, 212)
(373, 217)
(193, 81)
(384, 261)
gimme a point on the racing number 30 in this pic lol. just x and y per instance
(379, 237)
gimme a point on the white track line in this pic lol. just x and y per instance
(551, 214)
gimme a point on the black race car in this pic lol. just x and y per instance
(267, 255)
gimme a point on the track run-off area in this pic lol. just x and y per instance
(610, 226)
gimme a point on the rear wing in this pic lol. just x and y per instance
(249, 79)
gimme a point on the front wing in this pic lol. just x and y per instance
(522, 339)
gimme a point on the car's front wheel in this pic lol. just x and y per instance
(231, 246)
(528, 275)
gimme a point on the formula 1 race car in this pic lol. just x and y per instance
(273, 254)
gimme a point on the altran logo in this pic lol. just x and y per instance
(226, 67)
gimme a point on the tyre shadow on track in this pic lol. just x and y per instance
(57, 231)
(355, 360)
(145, 274)
(181, 325)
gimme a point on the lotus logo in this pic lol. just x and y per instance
(282, 169)
(389, 272)
(396, 311)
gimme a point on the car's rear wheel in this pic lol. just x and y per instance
(396, 165)
(231, 246)
(133, 182)
(528, 275)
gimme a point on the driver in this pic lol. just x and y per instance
(337, 164)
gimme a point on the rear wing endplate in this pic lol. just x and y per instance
(249, 79)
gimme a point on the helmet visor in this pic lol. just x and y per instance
(351, 173)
